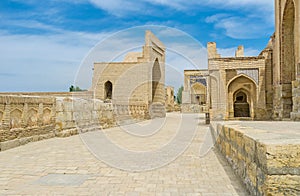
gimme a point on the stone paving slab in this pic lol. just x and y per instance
(62, 179)
(24, 170)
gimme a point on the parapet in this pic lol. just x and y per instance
(212, 50)
(239, 52)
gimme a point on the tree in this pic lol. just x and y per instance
(179, 95)
(74, 89)
(71, 88)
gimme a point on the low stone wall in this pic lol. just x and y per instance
(75, 115)
(267, 164)
(80, 94)
(193, 108)
(25, 118)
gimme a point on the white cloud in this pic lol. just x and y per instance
(254, 24)
(122, 7)
(257, 19)
(243, 28)
(220, 4)
(42, 62)
(51, 62)
(261, 4)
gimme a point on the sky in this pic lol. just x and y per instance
(51, 44)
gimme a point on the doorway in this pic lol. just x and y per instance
(241, 106)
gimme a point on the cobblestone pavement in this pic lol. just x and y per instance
(65, 166)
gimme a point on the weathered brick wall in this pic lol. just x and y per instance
(81, 94)
(138, 80)
(25, 119)
(143, 69)
(222, 72)
(266, 168)
(75, 115)
(126, 77)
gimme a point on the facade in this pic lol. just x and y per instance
(237, 85)
(286, 59)
(138, 80)
(194, 95)
(262, 87)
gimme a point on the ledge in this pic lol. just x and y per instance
(265, 155)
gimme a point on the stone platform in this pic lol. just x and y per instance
(265, 155)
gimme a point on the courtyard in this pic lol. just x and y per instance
(65, 166)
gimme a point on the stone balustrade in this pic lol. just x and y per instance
(25, 119)
(28, 118)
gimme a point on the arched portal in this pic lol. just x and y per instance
(198, 95)
(241, 106)
(108, 88)
(288, 67)
(242, 95)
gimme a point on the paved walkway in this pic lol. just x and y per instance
(66, 166)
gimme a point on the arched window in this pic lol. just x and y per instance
(108, 88)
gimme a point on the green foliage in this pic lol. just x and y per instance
(179, 95)
(74, 89)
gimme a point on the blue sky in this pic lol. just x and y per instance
(44, 43)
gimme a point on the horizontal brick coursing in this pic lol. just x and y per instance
(265, 168)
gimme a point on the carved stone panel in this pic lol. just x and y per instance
(15, 118)
(1, 117)
(32, 117)
(46, 116)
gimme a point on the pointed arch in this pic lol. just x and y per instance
(240, 76)
(32, 117)
(156, 77)
(241, 103)
(46, 115)
(15, 118)
(198, 91)
(287, 64)
(108, 89)
(248, 88)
